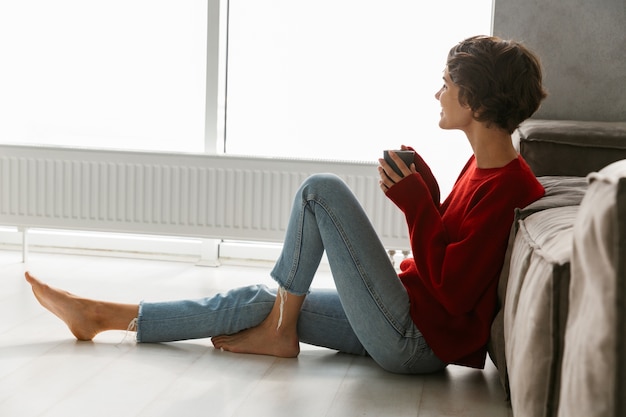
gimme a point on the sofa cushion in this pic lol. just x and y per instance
(571, 148)
(536, 309)
(560, 192)
(594, 361)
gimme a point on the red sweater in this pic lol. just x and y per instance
(458, 252)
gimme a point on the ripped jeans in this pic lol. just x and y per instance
(367, 314)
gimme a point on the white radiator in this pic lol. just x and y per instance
(222, 197)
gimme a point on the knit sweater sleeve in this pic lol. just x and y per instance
(427, 176)
(427, 233)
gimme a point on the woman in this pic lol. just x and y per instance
(439, 309)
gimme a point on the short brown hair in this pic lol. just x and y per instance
(500, 80)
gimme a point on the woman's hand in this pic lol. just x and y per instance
(388, 177)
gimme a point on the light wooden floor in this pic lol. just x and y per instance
(45, 372)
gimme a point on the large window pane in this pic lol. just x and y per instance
(116, 74)
(345, 79)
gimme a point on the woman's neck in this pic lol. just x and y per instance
(492, 147)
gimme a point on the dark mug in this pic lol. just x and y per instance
(406, 156)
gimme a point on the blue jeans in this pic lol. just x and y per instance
(367, 314)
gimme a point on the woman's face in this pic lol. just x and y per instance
(453, 114)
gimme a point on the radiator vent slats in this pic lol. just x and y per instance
(186, 195)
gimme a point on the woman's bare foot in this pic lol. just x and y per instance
(85, 318)
(277, 335)
(263, 339)
(73, 310)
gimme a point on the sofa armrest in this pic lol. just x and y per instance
(570, 148)
(560, 192)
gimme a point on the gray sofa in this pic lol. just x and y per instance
(559, 337)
